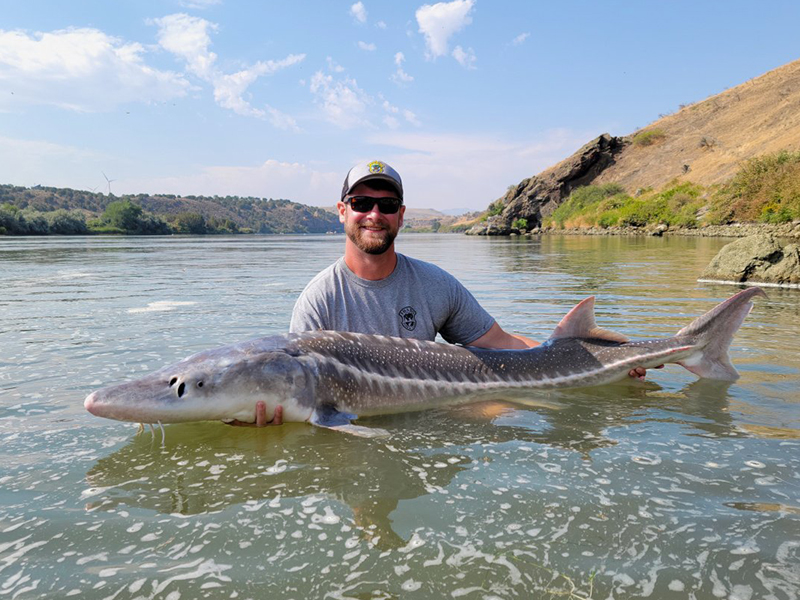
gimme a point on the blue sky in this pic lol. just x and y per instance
(279, 99)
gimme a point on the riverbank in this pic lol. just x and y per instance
(733, 230)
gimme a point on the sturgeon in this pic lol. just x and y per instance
(329, 378)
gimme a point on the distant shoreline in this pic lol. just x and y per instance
(734, 230)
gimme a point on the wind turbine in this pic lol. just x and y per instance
(109, 182)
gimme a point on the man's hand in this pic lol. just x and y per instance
(640, 372)
(261, 417)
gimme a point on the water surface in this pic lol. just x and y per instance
(674, 488)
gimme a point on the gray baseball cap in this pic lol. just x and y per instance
(374, 169)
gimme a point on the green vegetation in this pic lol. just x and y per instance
(766, 189)
(649, 137)
(123, 216)
(520, 224)
(16, 221)
(609, 206)
(496, 207)
(47, 210)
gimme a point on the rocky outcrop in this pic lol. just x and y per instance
(537, 197)
(756, 259)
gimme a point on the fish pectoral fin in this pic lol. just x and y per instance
(329, 417)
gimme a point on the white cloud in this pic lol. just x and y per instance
(80, 69)
(517, 41)
(411, 118)
(271, 179)
(366, 46)
(358, 12)
(466, 58)
(189, 38)
(281, 120)
(391, 122)
(343, 103)
(380, 25)
(438, 22)
(333, 66)
(447, 170)
(400, 76)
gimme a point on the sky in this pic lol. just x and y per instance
(280, 99)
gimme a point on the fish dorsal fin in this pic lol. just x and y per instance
(580, 323)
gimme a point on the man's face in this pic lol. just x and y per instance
(372, 232)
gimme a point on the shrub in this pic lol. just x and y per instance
(520, 224)
(190, 222)
(649, 137)
(66, 222)
(766, 188)
(495, 208)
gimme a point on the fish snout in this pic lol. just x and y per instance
(90, 403)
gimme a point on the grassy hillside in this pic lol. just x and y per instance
(707, 142)
(43, 210)
(766, 189)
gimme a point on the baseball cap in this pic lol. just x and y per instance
(374, 169)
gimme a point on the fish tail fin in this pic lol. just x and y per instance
(714, 332)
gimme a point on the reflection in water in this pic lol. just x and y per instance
(207, 467)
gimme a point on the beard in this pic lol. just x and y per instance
(369, 242)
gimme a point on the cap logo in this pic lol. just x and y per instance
(376, 166)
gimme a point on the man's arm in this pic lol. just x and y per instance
(499, 339)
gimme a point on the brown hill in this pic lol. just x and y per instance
(705, 142)
(708, 142)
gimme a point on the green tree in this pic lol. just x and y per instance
(123, 214)
(190, 222)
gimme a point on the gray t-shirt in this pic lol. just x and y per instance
(418, 300)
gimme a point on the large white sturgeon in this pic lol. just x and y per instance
(328, 378)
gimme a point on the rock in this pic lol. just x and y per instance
(756, 259)
(537, 197)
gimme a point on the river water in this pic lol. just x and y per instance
(670, 488)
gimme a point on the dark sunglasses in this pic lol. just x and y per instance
(362, 204)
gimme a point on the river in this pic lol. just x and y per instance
(669, 488)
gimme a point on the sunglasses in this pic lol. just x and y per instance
(362, 204)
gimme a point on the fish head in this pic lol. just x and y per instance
(218, 384)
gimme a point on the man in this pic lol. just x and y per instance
(373, 289)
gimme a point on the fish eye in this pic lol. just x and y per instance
(199, 384)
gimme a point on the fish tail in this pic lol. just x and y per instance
(714, 332)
